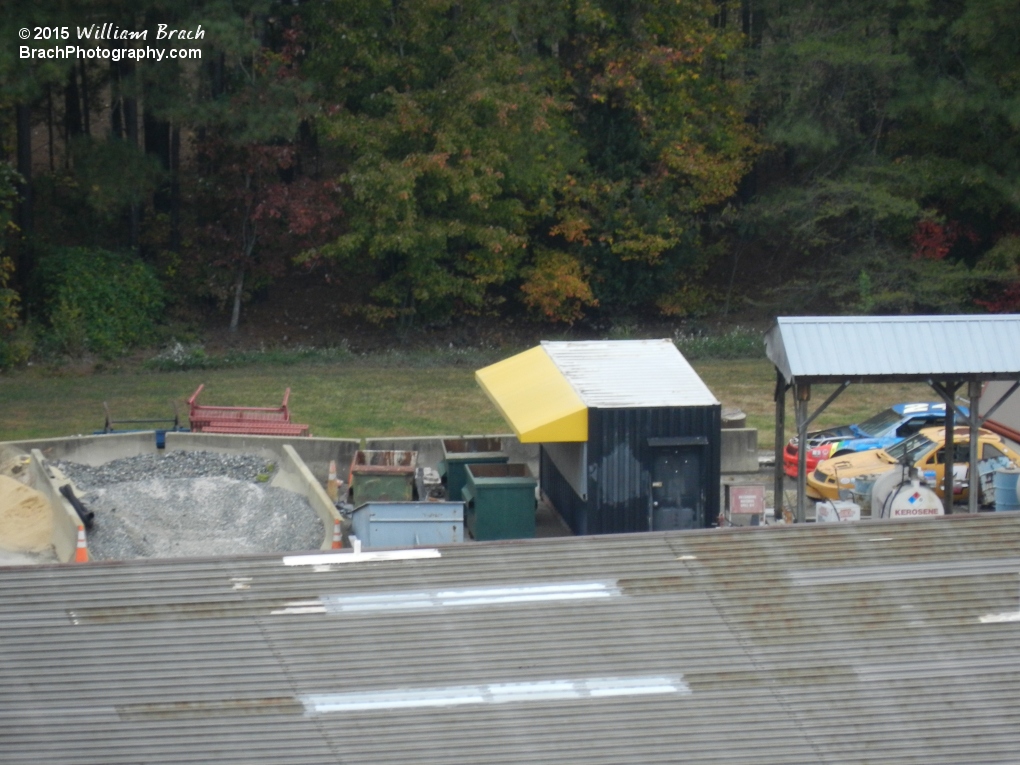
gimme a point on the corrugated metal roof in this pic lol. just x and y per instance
(629, 373)
(919, 346)
(866, 643)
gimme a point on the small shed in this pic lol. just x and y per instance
(629, 434)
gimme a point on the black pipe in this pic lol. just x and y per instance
(86, 515)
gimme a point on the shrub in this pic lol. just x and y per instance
(738, 343)
(15, 339)
(96, 301)
(178, 357)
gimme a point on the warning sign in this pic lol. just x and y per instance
(747, 500)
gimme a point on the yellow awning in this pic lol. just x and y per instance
(535, 398)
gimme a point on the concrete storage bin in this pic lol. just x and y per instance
(382, 476)
(460, 452)
(499, 501)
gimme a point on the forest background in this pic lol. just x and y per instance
(563, 161)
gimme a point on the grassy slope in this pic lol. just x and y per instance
(366, 396)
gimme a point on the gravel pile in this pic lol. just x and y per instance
(185, 504)
(176, 464)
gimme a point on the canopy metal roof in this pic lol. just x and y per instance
(881, 642)
(545, 392)
(895, 348)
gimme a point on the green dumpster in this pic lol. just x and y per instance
(459, 452)
(382, 476)
(499, 501)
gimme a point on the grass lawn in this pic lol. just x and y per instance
(366, 396)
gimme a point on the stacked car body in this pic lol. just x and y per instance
(885, 429)
(925, 451)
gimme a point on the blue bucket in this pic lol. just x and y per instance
(1006, 496)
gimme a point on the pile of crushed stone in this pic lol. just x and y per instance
(191, 504)
(175, 464)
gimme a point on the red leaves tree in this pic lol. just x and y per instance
(258, 208)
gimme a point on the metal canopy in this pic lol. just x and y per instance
(946, 352)
(875, 349)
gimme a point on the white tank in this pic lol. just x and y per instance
(884, 485)
(913, 500)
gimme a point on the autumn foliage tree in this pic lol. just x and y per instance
(549, 153)
(258, 208)
(662, 124)
(565, 159)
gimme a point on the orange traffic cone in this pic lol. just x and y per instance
(332, 485)
(337, 540)
(81, 554)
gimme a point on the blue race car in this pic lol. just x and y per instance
(884, 429)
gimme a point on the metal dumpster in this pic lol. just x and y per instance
(406, 524)
(382, 475)
(499, 501)
(459, 452)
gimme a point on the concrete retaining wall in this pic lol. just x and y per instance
(65, 519)
(316, 453)
(739, 450)
(430, 448)
(92, 450)
(292, 474)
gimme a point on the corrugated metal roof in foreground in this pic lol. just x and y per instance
(865, 643)
(856, 346)
(629, 373)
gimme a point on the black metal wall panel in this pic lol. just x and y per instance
(620, 459)
(619, 467)
(572, 509)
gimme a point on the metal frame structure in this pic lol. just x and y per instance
(945, 352)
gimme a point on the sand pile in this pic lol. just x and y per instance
(26, 520)
(15, 463)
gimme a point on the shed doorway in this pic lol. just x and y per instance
(676, 497)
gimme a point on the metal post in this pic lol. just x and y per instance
(947, 461)
(779, 483)
(974, 401)
(802, 396)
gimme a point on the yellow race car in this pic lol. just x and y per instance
(924, 450)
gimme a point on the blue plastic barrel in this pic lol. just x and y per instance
(1006, 495)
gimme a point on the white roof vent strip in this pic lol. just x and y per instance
(495, 693)
(475, 596)
(329, 559)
